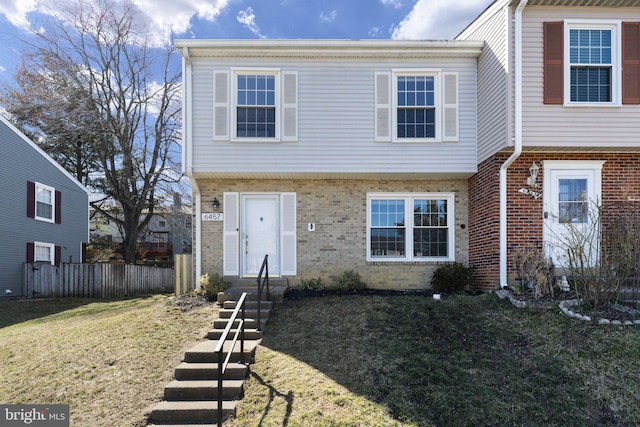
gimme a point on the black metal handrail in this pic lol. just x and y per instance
(262, 281)
(219, 350)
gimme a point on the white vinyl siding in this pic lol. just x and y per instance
(337, 119)
(559, 126)
(494, 93)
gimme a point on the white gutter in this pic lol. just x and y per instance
(517, 143)
(187, 163)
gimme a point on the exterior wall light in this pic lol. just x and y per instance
(533, 174)
(215, 203)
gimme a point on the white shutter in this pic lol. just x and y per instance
(231, 232)
(220, 105)
(383, 107)
(288, 235)
(450, 107)
(290, 106)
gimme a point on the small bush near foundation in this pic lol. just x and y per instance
(351, 281)
(452, 277)
(210, 286)
(311, 285)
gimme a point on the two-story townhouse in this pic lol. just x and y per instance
(558, 91)
(330, 156)
(44, 211)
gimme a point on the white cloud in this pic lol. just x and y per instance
(328, 17)
(248, 19)
(438, 19)
(166, 16)
(395, 3)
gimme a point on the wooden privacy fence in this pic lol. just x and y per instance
(42, 280)
(183, 273)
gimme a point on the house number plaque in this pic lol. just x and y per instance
(212, 216)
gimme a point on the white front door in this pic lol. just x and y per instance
(260, 233)
(571, 192)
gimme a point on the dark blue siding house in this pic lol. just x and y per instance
(44, 210)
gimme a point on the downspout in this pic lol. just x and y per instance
(517, 143)
(187, 166)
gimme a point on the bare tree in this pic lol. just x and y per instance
(121, 98)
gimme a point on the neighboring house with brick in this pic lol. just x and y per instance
(330, 156)
(558, 85)
(44, 211)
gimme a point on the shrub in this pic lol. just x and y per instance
(452, 277)
(210, 286)
(311, 284)
(351, 281)
(535, 271)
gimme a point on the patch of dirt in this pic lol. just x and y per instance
(188, 302)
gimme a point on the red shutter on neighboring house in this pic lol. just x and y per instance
(31, 199)
(58, 203)
(58, 256)
(631, 62)
(553, 62)
(30, 251)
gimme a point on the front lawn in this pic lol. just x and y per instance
(461, 361)
(333, 361)
(108, 360)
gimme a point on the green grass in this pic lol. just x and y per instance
(108, 360)
(461, 361)
(333, 361)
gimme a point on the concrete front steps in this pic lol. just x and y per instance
(191, 398)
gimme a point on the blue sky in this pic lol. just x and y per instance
(272, 19)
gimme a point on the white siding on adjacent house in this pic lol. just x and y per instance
(494, 84)
(336, 110)
(579, 127)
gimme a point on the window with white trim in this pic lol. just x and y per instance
(45, 203)
(256, 107)
(417, 106)
(410, 227)
(43, 252)
(592, 67)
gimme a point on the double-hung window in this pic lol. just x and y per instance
(256, 106)
(410, 227)
(45, 199)
(416, 109)
(416, 105)
(592, 55)
(591, 63)
(43, 252)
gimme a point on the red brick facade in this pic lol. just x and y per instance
(620, 183)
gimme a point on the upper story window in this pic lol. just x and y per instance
(44, 202)
(256, 106)
(416, 106)
(416, 109)
(592, 63)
